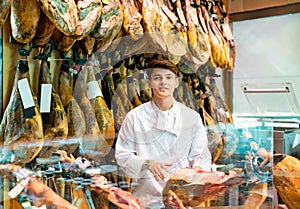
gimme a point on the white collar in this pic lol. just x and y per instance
(168, 120)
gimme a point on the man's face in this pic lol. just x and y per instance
(163, 82)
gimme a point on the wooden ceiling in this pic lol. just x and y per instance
(266, 12)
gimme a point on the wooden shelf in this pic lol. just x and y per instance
(266, 12)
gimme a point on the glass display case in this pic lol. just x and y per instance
(240, 158)
(240, 175)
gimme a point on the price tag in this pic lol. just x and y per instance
(45, 103)
(26, 97)
(93, 90)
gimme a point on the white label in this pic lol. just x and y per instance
(93, 90)
(92, 171)
(45, 104)
(25, 93)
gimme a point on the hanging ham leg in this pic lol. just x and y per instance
(24, 20)
(93, 143)
(56, 129)
(103, 115)
(21, 137)
(76, 121)
(132, 19)
(111, 15)
(171, 36)
(4, 10)
(150, 12)
(198, 41)
(44, 31)
(109, 25)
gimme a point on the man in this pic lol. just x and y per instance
(160, 136)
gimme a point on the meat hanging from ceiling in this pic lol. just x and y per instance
(21, 129)
(56, 126)
(4, 10)
(24, 20)
(132, 19)
(194, 30)
(44, 31)
(76, 120)
(93, 143)
(102, 113)
(109, 25)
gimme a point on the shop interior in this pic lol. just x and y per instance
(246, 89)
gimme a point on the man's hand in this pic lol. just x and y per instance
(158, 169)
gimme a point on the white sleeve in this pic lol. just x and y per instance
(125, 150)
(199, 153)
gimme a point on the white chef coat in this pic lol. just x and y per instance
(174, 136)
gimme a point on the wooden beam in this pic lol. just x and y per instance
(266, 12)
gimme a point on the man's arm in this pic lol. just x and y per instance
(125, 150)
(200, 155)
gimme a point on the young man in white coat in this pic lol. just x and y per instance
(160, 136)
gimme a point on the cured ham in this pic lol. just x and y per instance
(21, 135)
(103, 115)
(132, 19)
(4, 10)
(24, 20)
(176, 15)
(87, 45)
(62, 41)
(174, 44)
(109, 25)
(132, 93)
(56, 128)
(193, 186)
(120, 101)
(145, 90)
(287, 180)
(199, 45)
(93, 143)
(63, 14)
(220, 48)
(120, 198)
(76, 121)
(73, 18)
(44, 31)
(150, 12)
(89, 12)
(111, 17)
